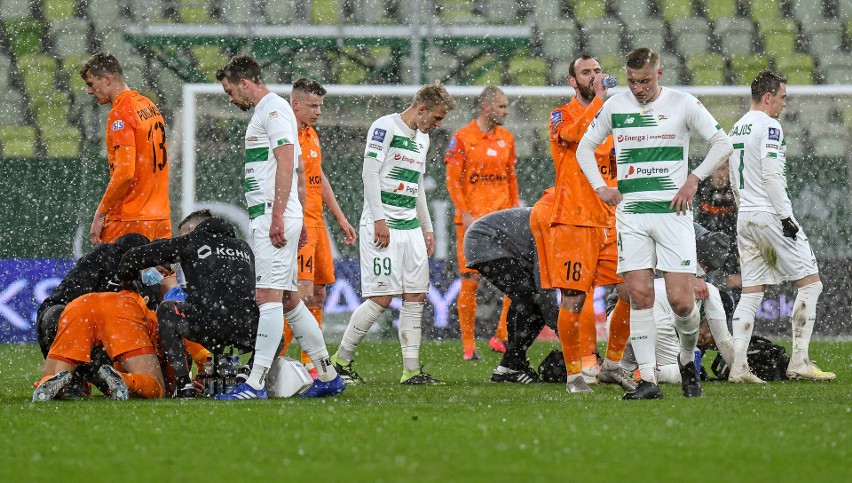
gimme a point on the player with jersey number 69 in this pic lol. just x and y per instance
(396, 237)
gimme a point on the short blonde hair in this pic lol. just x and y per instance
(434, 95)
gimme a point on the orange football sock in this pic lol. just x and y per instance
(502, 333)
(569, 335)
(588, 331)
(143, 385)
(317, 313)
(288, 337)
(467, 312)
(619, 331)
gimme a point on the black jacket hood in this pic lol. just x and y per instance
(217, 226)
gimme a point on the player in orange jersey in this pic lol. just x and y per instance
(137, 196)
(481, 180)
(578, 241)
(316, 265)
(125, 327)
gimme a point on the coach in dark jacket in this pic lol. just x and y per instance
(93, 272)
(220, 309)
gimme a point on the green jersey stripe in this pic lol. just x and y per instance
(256, 210)
(645, 184)
(772, 155)
(622, 121)
(400, 201)
(403, 174)
(402, 142)
(648, 207)
(254, 155)
(250, 184)
(649, 155)
(739, 145)
(404, 224)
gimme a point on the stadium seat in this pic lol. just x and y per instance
(716, 10)
(196, 11)
(746, 67)
(673, 71)
(844, 9)
(69, 68)
(104, 13)
(832, 141)
(815, 112)
(18, 141)
(5, 70)
(208, 58)
(586, 10)
(13, 107)
(649, 32)
(561, 42)
(614, 65)
(280, 12)
(326, 12)
(527, 71)
(61, 141)
(736, 35)
(549, 16)
(70, 36)
(798, 68)
(824, 35)
(762, 11)
(706, 69)
(691, 35)
(602, 36)
(13, 10)
(112, 40)
(374, 12)
(503, 11)
(24, 36)
(836, 68)
(57, 9)
(631, 11)
(487, 70)
(238, 12)
(675, 9)
(439, 64)
(809, 12)
(726, 109)
(779, 36)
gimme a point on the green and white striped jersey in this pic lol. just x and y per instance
(760, 151)
(273, 124)
(402, 152)
(651, 145)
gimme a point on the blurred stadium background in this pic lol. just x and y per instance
(51, 131)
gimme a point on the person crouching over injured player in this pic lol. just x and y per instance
(125, 327)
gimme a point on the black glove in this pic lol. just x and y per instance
(789, 227)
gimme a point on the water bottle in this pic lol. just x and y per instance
(221, 373)
(698, 355)
(609, 81)
(208, 379)
(230, 375)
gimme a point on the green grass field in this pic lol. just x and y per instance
(468, 430)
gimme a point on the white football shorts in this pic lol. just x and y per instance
(275, 268)
(401, 267)
(767, 257)
(662, 241)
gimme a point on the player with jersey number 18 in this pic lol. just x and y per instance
(651, 126)
(396, 237)
(766, 225)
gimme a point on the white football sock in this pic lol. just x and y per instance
(687, 331)
(643, 338)
(804, 317)
(410, 333)
(669, 374)
(362, 319)
(309, 335)
(743, 325)
(270, 329)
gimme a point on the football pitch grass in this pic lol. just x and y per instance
(467, 430)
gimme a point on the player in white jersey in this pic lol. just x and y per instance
(712, 249)
(650, 126)
(396, 237)
(772, 246)
(274, 190)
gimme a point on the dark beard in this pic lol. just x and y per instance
(586, 92)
